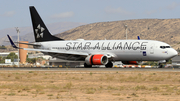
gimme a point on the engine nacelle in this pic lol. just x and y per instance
(130, 62)
(97, 59)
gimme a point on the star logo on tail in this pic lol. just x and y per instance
(39, 31)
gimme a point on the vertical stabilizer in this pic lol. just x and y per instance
(41, 33)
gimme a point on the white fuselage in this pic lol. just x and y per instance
(119, 50)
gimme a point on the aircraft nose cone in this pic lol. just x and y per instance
(174, 53)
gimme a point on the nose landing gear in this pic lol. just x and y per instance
(160, 65)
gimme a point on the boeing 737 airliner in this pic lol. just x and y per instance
(95, 52)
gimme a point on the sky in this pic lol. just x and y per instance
(15, 13)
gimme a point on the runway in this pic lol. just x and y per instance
(88, 69)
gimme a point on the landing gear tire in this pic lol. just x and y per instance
(160, 65)
(109, 64)
(87, 66)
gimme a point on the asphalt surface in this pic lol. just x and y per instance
(87, 69)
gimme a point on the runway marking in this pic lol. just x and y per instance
(94, 70)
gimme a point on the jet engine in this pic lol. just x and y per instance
(130, 62)
(97, 59)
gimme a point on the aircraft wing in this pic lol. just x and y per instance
(50, 51)
(55, 51)
(33, 44)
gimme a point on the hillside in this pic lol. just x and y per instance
(166, 30)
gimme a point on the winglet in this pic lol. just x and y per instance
(138, 37)
(12, 43)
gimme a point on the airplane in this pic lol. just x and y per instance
(95, 52)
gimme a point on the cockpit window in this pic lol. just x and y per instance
(163, 47)
(168, 47)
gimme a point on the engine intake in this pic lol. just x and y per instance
(97, 59)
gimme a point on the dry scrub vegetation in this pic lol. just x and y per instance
(82, 86)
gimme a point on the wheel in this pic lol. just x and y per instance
(160, 65)
(87, 66)
(109, 64)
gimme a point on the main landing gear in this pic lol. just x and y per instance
(109, 64)
(87, 66)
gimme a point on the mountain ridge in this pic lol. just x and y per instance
(166, 30)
